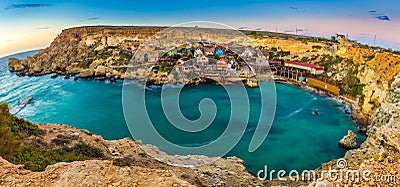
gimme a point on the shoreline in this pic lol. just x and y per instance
(357, 115)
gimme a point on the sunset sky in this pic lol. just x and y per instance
(27, 24)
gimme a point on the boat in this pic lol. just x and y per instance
(315, 112)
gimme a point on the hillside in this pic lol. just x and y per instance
(348, 63)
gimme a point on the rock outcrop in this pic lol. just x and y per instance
(81, 48)
(86, 73)
(88, 173)
(16, 65)
(349, 141)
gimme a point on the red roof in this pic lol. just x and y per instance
(304, 64)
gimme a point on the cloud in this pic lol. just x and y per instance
(288, 31)
(294, 8)
(378, 16)
(92, 19)
(43, 28)
(5, 42)
(383, 18)
(27, 5)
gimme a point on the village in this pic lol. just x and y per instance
(229, 63)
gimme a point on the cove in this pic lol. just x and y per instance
(297, 140)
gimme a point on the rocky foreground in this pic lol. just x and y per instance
(124, 164)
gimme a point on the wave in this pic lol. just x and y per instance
(294, 112)
(196, 144)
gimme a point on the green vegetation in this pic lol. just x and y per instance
(124, 57)
(85, 63)
(120, 162)
(363, 46)
(15, 131)
(317, 47)
(327, 61)
(255, 33)
(103, 55)
(12, 132)
(369, 58)
(163, 67)
(351, 85)
(110, 47)
(37, 160)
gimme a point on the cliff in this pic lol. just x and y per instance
(380, 153)
(85, 48)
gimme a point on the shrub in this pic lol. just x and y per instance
(37, 160)
(13, 132)
(317, 47)
(87, 151)
(110, 47)
(120, 162)
(85, 63)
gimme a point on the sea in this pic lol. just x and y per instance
(298, 139)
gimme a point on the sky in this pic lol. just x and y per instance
(33, 24)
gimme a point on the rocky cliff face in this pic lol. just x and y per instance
(78, 49)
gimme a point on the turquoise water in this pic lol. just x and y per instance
(298, 139)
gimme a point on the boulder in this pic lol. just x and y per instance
(349, 141)
(74, 136)
(15, 65)
(37, 68)
(86, 73)
(100, 71)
